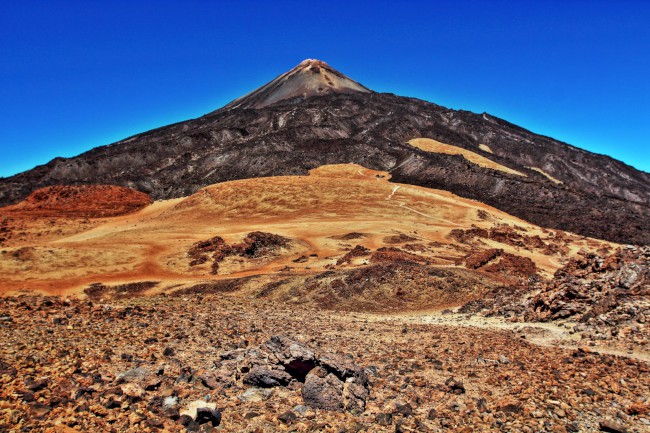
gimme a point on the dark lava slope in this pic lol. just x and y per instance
(325, 120)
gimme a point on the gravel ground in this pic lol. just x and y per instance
(63, 365)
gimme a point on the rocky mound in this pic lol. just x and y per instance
(89, 201)
(99, 291)
(254, 245)
(499, 262)
(358, 251)
(398, 285)
(608, 296)
(329, 381)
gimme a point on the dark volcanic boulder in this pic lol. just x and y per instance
(267, 377)
(323, 390)
(297, 359)
(331, 381)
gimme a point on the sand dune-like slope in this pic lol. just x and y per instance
(323, 216)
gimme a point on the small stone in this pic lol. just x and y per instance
(60, 321)
(638, 408)
(206, 415)
(172, 413)
(98, 410)
(572, 427)
(236, 354)
(509, 405)
(354, 395)
(153, 384)
(134, 375)
(155, 422)
(287, 417)
(404, 409)
(186, 420)
(168, 351)
(384, 419)
(255, 394)
(209, 381)
(373, 370)
(36, 385)
(27, 396)
(170, 402)
(193, 407)
(266, 377)
(455, 386)
(39, 410)
(300, 410)
(481, 405)
(323, 390)
(612, 426)
(133, 390)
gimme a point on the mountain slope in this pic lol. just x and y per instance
(280, 130)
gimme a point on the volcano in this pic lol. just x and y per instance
(310, 78)
(314, 115)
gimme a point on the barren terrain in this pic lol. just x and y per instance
(319, 213)
(136, 364)
(337, 301)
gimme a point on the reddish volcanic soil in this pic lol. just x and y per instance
(90, 201)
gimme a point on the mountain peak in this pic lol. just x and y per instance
(310, 78)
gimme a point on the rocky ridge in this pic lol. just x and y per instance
(606, 297)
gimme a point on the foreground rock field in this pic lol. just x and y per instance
(243, 365)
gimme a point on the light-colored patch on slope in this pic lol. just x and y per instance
(348, 171)
(551, 178)
(430, 145)
(485, 148)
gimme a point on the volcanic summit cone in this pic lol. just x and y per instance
(311, 77)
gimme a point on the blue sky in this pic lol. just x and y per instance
(79, 74)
